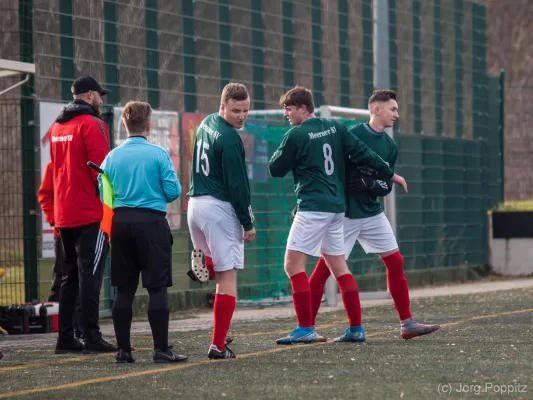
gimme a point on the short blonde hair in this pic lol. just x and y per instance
(137, 115)
(234, 91)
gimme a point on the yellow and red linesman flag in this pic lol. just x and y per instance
(107, 219)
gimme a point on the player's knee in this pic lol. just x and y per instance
(294, 262)
(347, 283)
(319, 276)
(158, 298)
(337, 264)
(394, 264)
(124, 297)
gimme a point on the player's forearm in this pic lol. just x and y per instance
(282, 160)
(239, 193)
(237, 185)
(278, 167)
(171, 185)
(243, 210)
(365, 156)
(172, 190)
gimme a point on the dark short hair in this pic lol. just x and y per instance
(234, 91)
(382, 95)
(298, 96)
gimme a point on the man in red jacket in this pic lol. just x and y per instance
(45, 197)
(79, 135)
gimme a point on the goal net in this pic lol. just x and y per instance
(272, 202)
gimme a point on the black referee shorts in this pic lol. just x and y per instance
(141, 243)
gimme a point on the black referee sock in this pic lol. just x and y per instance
(122, 323)
(122, 316)
(158, 317)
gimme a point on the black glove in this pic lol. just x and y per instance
(293, 214)
(364, 170)
(361, 184)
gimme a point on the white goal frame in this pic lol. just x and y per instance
(11, 68)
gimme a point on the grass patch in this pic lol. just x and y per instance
(484, 341)
(12, 290)
(515, 206)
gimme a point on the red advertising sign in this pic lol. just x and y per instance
(189, 126)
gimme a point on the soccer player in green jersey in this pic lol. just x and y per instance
(366, 222)
(219, 213)
(315, 150)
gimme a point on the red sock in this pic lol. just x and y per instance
(317, 281)
(301, 297)
(223, 311)
(350, 298)
(210, 267)
(398, 287)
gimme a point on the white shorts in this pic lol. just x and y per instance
(374, 234)
(215, 229)
(315, 233)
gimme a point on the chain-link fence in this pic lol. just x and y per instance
(179, 54)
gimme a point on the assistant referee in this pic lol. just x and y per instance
(144, 181)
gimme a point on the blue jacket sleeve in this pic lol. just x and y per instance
(169, 179)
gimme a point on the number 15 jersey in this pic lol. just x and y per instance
(315, 152)
(219, 168)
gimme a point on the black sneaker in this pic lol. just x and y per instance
(215, 354)
(228, 340)
(101, 346)
(124, 357)
(71, 345)
(168, 356)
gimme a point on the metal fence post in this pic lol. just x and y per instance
(108, 115)
(502, 134)
(28, 146)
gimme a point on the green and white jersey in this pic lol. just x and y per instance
(368, 205)
(219, 168)
(316, 152)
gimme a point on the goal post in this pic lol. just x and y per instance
(12, 68)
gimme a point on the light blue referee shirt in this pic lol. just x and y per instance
(142, 175)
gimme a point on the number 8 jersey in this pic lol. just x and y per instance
(219, 169)
(315, 152)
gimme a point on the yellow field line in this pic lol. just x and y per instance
(141, 373)
(83, 358)
(243, 356)
(59, 362)
(323, 326)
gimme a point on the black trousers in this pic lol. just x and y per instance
(142, 245)
(85, 249)
(57, 278)
(57, 272)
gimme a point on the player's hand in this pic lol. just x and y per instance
(249, 235)
(400, 181)
(293, 213)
